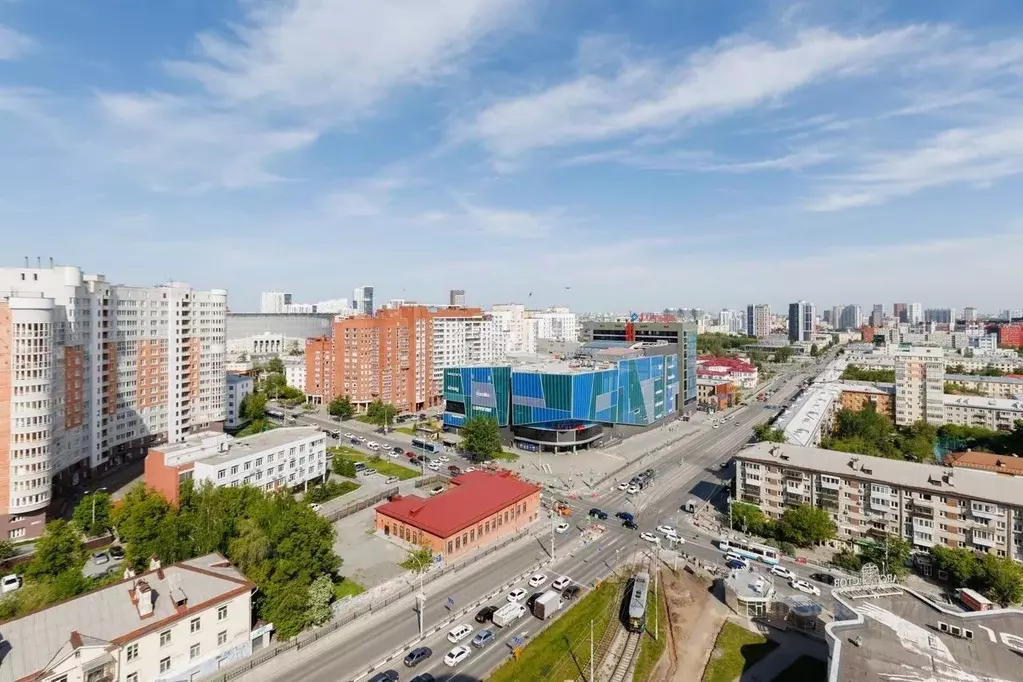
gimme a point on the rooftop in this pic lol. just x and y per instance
(802, 421)
(235, 378)
(931, 478)
(475, 496)
(110, 615)
(976, 401)
(899, 638)
(706, 362)
(986, 461)
(553, 366)
(215, 448)
(962, 378)
(750, 585)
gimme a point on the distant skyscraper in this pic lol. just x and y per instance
(836, 316)
(877, 315)
(274, 302)
(915, 313)
(852, 317)
(801, 320)
(900, 312)
(758, 320)
(456, 298)
(362, 300)
(970, 314)
(940, 315)
(826, 316)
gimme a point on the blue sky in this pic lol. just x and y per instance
(645, 154)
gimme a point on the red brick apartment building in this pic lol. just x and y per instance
(478, 509)
(387, 357)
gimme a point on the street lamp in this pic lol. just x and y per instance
(421, 597)
(93, 493)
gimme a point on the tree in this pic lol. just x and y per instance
(418, 560)
(750, 519)
(890, 553)
(59, 549)
(92, 514)
(286, 605)
(382, 414)
(814, 350)
(138, 521)
(804, 526)
(855, 373)
(961, 564)
(253, 406)
(783, 354)
(275, 366)
(481, 437)
(1002, 579)
(6, 551)
(321, 593)
(341, 407)
(342, 466)
(847, 561)
(764, 432)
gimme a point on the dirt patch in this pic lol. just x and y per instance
(695, 618)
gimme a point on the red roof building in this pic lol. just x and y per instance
(738, 371)
(478, 509)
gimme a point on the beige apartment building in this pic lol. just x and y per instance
(870, 496)
(919, 385)
(92, 373)
(1010, 387)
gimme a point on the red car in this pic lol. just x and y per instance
(410, 455)
(454, 470)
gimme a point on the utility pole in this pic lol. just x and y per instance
(552, 534)
(730, 500)
(655, 604)
(591, 650)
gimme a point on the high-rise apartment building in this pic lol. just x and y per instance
(940, 316)
(919, 385)
(456, 298)
(900, 311)
(915, 313)
(758, 320)
(556, 324)
(851, 317)
(362, 301)
(517, 328)
(92, 373)
(274, 302)
(801, 321)
(877, 316)
(463, 337)
(969, 314)
(387, 357)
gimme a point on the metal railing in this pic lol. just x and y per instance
(358, 506)
(357, 611)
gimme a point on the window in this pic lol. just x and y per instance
(132, 652)
(193, 651)
(164, 664)
(222, 613)
(132, 677)
(221, 474)
(165, 638)
(222, 638)
(195, 625)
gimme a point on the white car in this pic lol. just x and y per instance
(716, 425)
(516, 595)
(394, 455)
(667, 530)
(633, 489)
(444, 459)
(459, 632)
(624, 485)
(10, 583)
(469, 470)
(806, 587)
(372, 445)
(537, 580)
(561, 583)
(561, 528)
(783, 572)
(315, 507)
(650, 537)
(434, 466)
(456, 655)
(348, 435)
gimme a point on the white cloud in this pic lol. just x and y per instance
(503, 223)
(366, 198)
(646, 95)
(13, 44)
(974, 156)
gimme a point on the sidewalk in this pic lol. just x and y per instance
(790, 647)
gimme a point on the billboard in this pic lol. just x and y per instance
(474, 391)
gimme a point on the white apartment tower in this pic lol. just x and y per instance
(915, 313)
(92, 373)
(919, 385)
(556, 324)
(463, 337)
(362, 300)
(516, 327)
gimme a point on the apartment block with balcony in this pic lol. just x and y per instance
(463, 337)
(93, 373)
(868, 497)
(919, 385)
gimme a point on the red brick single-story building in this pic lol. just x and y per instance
(478, 509)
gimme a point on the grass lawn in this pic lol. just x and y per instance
(362, 418)
(382, 466)
(804, 669)
(651, 649)
(735, 650)
(406, 430)
(347, 588)
(506, 455)
(562, 652)
(254, 427)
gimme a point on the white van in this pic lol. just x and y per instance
(9, 583)
(459, 632)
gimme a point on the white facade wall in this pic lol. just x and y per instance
(461, 341)
(516, 328)
(266, 344)
(556, 324)
(294, 371)
(293, 463)
(238, 387)
(274, 302)
(919, 385)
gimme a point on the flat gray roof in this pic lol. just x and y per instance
(969, 483)
(900, 639)
(268, 440)
(960, 378)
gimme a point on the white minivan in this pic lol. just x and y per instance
(9, 583)
(459, 632)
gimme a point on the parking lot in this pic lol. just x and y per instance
(369, 559)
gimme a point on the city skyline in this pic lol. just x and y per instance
(588, 155)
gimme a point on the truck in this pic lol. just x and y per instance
(508, 614)
(974, 600)
(562, 509)
(546, 604)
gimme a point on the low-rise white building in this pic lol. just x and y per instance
(267, 344)
(173, 623)
(294, 371)
(238, 386)
(995, 414)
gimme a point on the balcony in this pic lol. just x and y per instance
(830, 485)
(982, 539)
(991, 512)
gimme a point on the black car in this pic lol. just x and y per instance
(598, 513)
(630, 524)
(624, 516)
(486, 614)
(417, 656)
(397, 450)
(570, 592)
(385, 676)
(425, 677)
(116, 552)
(532, 600)
(825, 578)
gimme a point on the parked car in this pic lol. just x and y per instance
(315, 507)
(100, 558)
(667, 530)
(486, 614)
(624, 485)
(456, 656)
(116, 552)
(737, 564)
(825, 578)
(454, 470)
(806, 587)
(417, 656)
(10, 583)
(598, 513)
(633, 489)
(437, 491)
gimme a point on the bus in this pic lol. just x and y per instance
(973, 600)
(637, 603)
(274, 414)
(420, 444)
(749, 550)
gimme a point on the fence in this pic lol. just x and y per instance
(432, 480)
(354, 507)
(357, 611)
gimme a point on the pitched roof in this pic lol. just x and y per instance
(475, 497)
(710, 362)
(1003, 464)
